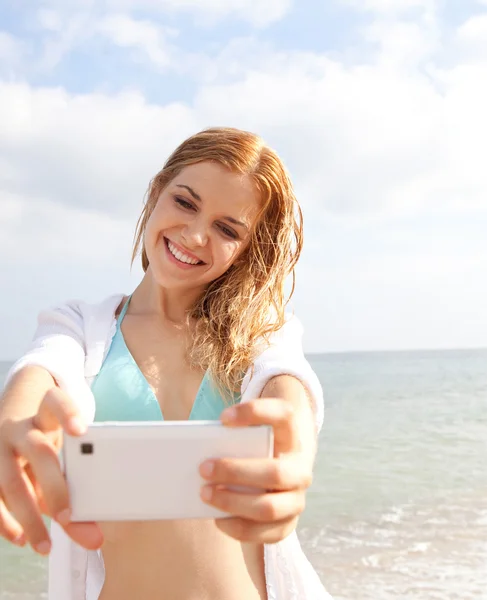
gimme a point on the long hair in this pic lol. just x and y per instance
(239, 310)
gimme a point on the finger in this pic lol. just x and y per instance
(261, 533)
(10, 528)
(37, 489)
(87, 535)
(45, 473)
(20, 499)
(285, 473)
(263, 508)
(57, 409)
(276, 412)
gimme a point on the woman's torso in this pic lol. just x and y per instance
(180, 560)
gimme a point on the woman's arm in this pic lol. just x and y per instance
(271, 514)
(24, 393)
(293, 391)
(284, 356)
(280, 390)
(33, 414)
(34, 411)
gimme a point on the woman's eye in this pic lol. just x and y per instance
(228, 232)
(184, 203)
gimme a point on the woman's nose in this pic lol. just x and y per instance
(195, 233)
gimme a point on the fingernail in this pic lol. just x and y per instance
(76, 426)
(20, 540)
(64, 517)
(207, 468)
(206, 493)
(43, 547)
(229, 414)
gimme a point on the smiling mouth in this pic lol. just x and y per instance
(181, 256)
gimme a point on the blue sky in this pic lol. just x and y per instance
(376, 106)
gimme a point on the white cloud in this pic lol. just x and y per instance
(401, 132)
(37, 231)
(88, 150)
(366, 138)
(65, 32)
(472, 38)
(49, 19)
(12, 52)
(370, 138)
(391, 6)
(412, 284)
(257, 12)
(141, 35)
(403, 43)
(69, 24)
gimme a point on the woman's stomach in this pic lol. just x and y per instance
(179, 560)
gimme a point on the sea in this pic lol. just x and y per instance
(398, 506)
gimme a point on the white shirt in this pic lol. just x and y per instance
(71, 342)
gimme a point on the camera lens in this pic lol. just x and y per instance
(86, 448)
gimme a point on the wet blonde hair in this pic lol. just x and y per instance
(239, 310)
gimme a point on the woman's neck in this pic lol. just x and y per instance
(170, 305)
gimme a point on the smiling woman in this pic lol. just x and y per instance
(224, 198)
(205, 329)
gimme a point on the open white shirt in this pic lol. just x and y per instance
(71, 342)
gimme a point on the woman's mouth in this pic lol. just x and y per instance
(180, 257)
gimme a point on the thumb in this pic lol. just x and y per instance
(57, 410)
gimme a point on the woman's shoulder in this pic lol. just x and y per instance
(285, 339)
(80, 311)
(291, 331)
(283, 354)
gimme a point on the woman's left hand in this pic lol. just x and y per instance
(271, 515)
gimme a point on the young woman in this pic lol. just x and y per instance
(203, 336)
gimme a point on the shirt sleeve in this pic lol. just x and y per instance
(58, 346)
(285, 356)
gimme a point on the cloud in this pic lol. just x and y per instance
(12, 52)
(391, 7)
(142, 35)
(365, 138)
(403, 44)
(255, 12)
(387, 136)
(92, 151)
(61, 34)
(49, 19)
(471, 38)
(37, 231)
(60, 27)
(412, 284)
(395, 134)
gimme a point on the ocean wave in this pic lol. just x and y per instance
(432, 550)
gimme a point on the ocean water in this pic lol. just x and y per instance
(398, 506)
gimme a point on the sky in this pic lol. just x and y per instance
(377, 108)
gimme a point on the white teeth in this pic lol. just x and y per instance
(180, 256)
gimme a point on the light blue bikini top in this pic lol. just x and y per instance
(122, 393)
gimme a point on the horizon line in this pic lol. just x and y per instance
(400, 350)
(373, 351)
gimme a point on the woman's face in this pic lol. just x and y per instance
(200, 226)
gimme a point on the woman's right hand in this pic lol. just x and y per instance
(31, 479)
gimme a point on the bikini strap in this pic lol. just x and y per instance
(124, 310)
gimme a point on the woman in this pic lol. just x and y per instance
(204, 335)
